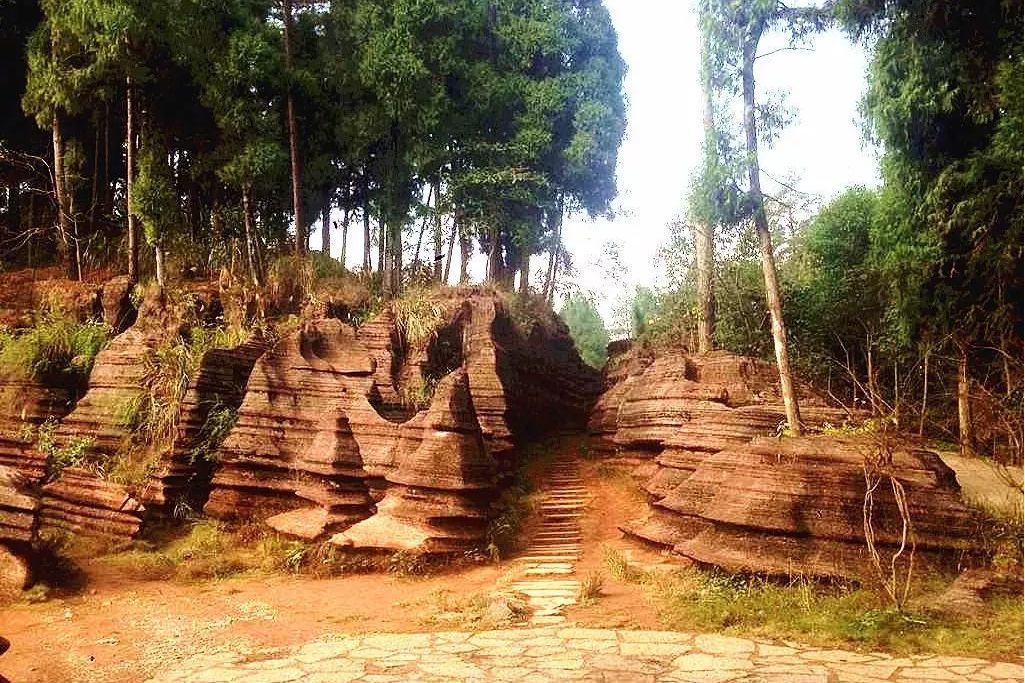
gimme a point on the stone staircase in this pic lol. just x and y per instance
(548, 565)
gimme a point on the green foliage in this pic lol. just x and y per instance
(944, 99)
(55, 349)
(830, 616)
(418, 392)
(154, 194)
(587, 329)
(75, 453)
(218, 424)
(418, 315)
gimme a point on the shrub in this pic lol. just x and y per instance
(57, 348)
(218, 424)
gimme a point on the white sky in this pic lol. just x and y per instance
(822, 148)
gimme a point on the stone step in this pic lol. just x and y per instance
(552, 546)
(547, 584)
(554, 570)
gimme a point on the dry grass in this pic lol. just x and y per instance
(591, 588)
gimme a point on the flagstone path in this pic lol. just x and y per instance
(559, 653)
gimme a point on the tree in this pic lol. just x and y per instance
(703, 210)
(587, 329)
(735, 30)
(945, 101)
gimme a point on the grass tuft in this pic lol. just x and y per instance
(591, 588)
(57, 348)
(418, 314)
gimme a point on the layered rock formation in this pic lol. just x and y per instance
(723, 491)
(81, 503)
(18, 508)
(796, 506)
(439, 493)
(292, 446)
(18, 522)
(25, 404)
(182, 473)
(97, 427)
(323, 432)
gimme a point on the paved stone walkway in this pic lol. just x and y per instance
(549, 563)
(560, 653)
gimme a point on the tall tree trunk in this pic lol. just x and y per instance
(704, 262)
(133, 226)
(250, 227)
(553, 262)
(293, 134)
(158, 255)
(75, 242)
(925, 392)
(366, 240)
(325, 229)
(345, 235)
(873, 389)
(107, 185)
(451, 248)
(494, 257)
(704, 237)
(395, 245)
(438, 237)
(14, 206)
(382, 242)
(772, 295)
(465, 249)
(60, 192)
(94, 196)
(965, 428)
(525, 271)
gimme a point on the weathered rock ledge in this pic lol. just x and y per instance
(724, 490)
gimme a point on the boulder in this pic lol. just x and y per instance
(15, 575)
(795, 506)
(726, 492)
(18, 507)
(968, 596)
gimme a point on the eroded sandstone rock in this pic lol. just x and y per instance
(439, 493)
(727, 492)
(18, 508)
(181, 475)
(292, 446)
(25, 404)
(81, 503)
